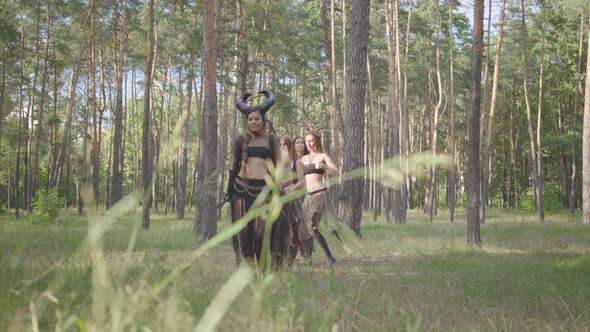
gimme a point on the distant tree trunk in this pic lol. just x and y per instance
(29, 169)
(572, 193)
(35, 178)
(489, 133)
(237, 69)
(183, 147)
(159, 135)
(94, 149)
(337, 119)
(473, 130)
(513, 165)
(107, 180)
(20, 121)
(586, 143)
(119, 48)
(82, 172)
(146, 149)
(528, 105)
(392, 99)
(206, 212)
(61, 157)
(351, 200)
(54, 125)
(539, 145)
(434, 178)
(405, 141)
(451, 195)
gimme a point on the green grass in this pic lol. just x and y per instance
(418, 276)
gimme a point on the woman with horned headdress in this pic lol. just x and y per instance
(247, 171)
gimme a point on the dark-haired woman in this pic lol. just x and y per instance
(302, 236)
(248, 169)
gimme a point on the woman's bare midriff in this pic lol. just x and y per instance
(314, 182)
(255, 169)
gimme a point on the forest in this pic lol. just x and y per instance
(121, 96)
(446, 118)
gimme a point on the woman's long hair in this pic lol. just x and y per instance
(290, 147)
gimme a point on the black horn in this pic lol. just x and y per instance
(270, 100)
(242, 104)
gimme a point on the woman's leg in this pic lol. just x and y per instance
(320, 238)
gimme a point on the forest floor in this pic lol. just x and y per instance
(417, 276)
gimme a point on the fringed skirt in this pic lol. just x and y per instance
(319, 203)
(302, 234)
(248, 243)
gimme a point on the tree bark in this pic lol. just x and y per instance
(337, 119)
(473, 128)
(351, 200)
(539, 145)
(119, 49)
(393, 112)
(451, 173)
(183, 147)
(572, 193)
(206, 212)
(489, 131)
(527, 102)
(146, 148)
(59, 164)
(586, 142)
(20, 120)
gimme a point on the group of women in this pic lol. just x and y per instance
(298, 225)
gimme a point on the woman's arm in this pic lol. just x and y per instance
(300, 184)
(329, 165)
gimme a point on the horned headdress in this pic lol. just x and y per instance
(245, 109)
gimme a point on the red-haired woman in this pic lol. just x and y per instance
(316, 165)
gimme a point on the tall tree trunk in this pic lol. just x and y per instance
(146, 144)
(406, 141)
(83, 173)
(451, 173)
(393, 112)
(352, 191)
(29, 169)
(513, 152)
(94, 149)
(54, 125)
(20, 121)
(527, 102)
(489, 132)
(539, 109)
(206, 213)
(434, 179)
(473, 130)
(183, 147)
(337, 120)
(59, 164)
(572, 193)
(119, 49)
(35, 178)
(586, 142)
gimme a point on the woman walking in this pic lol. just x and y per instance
(247, 172)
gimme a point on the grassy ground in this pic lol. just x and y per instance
(418, 276)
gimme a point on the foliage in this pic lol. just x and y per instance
(46, 207)
(526, 276)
